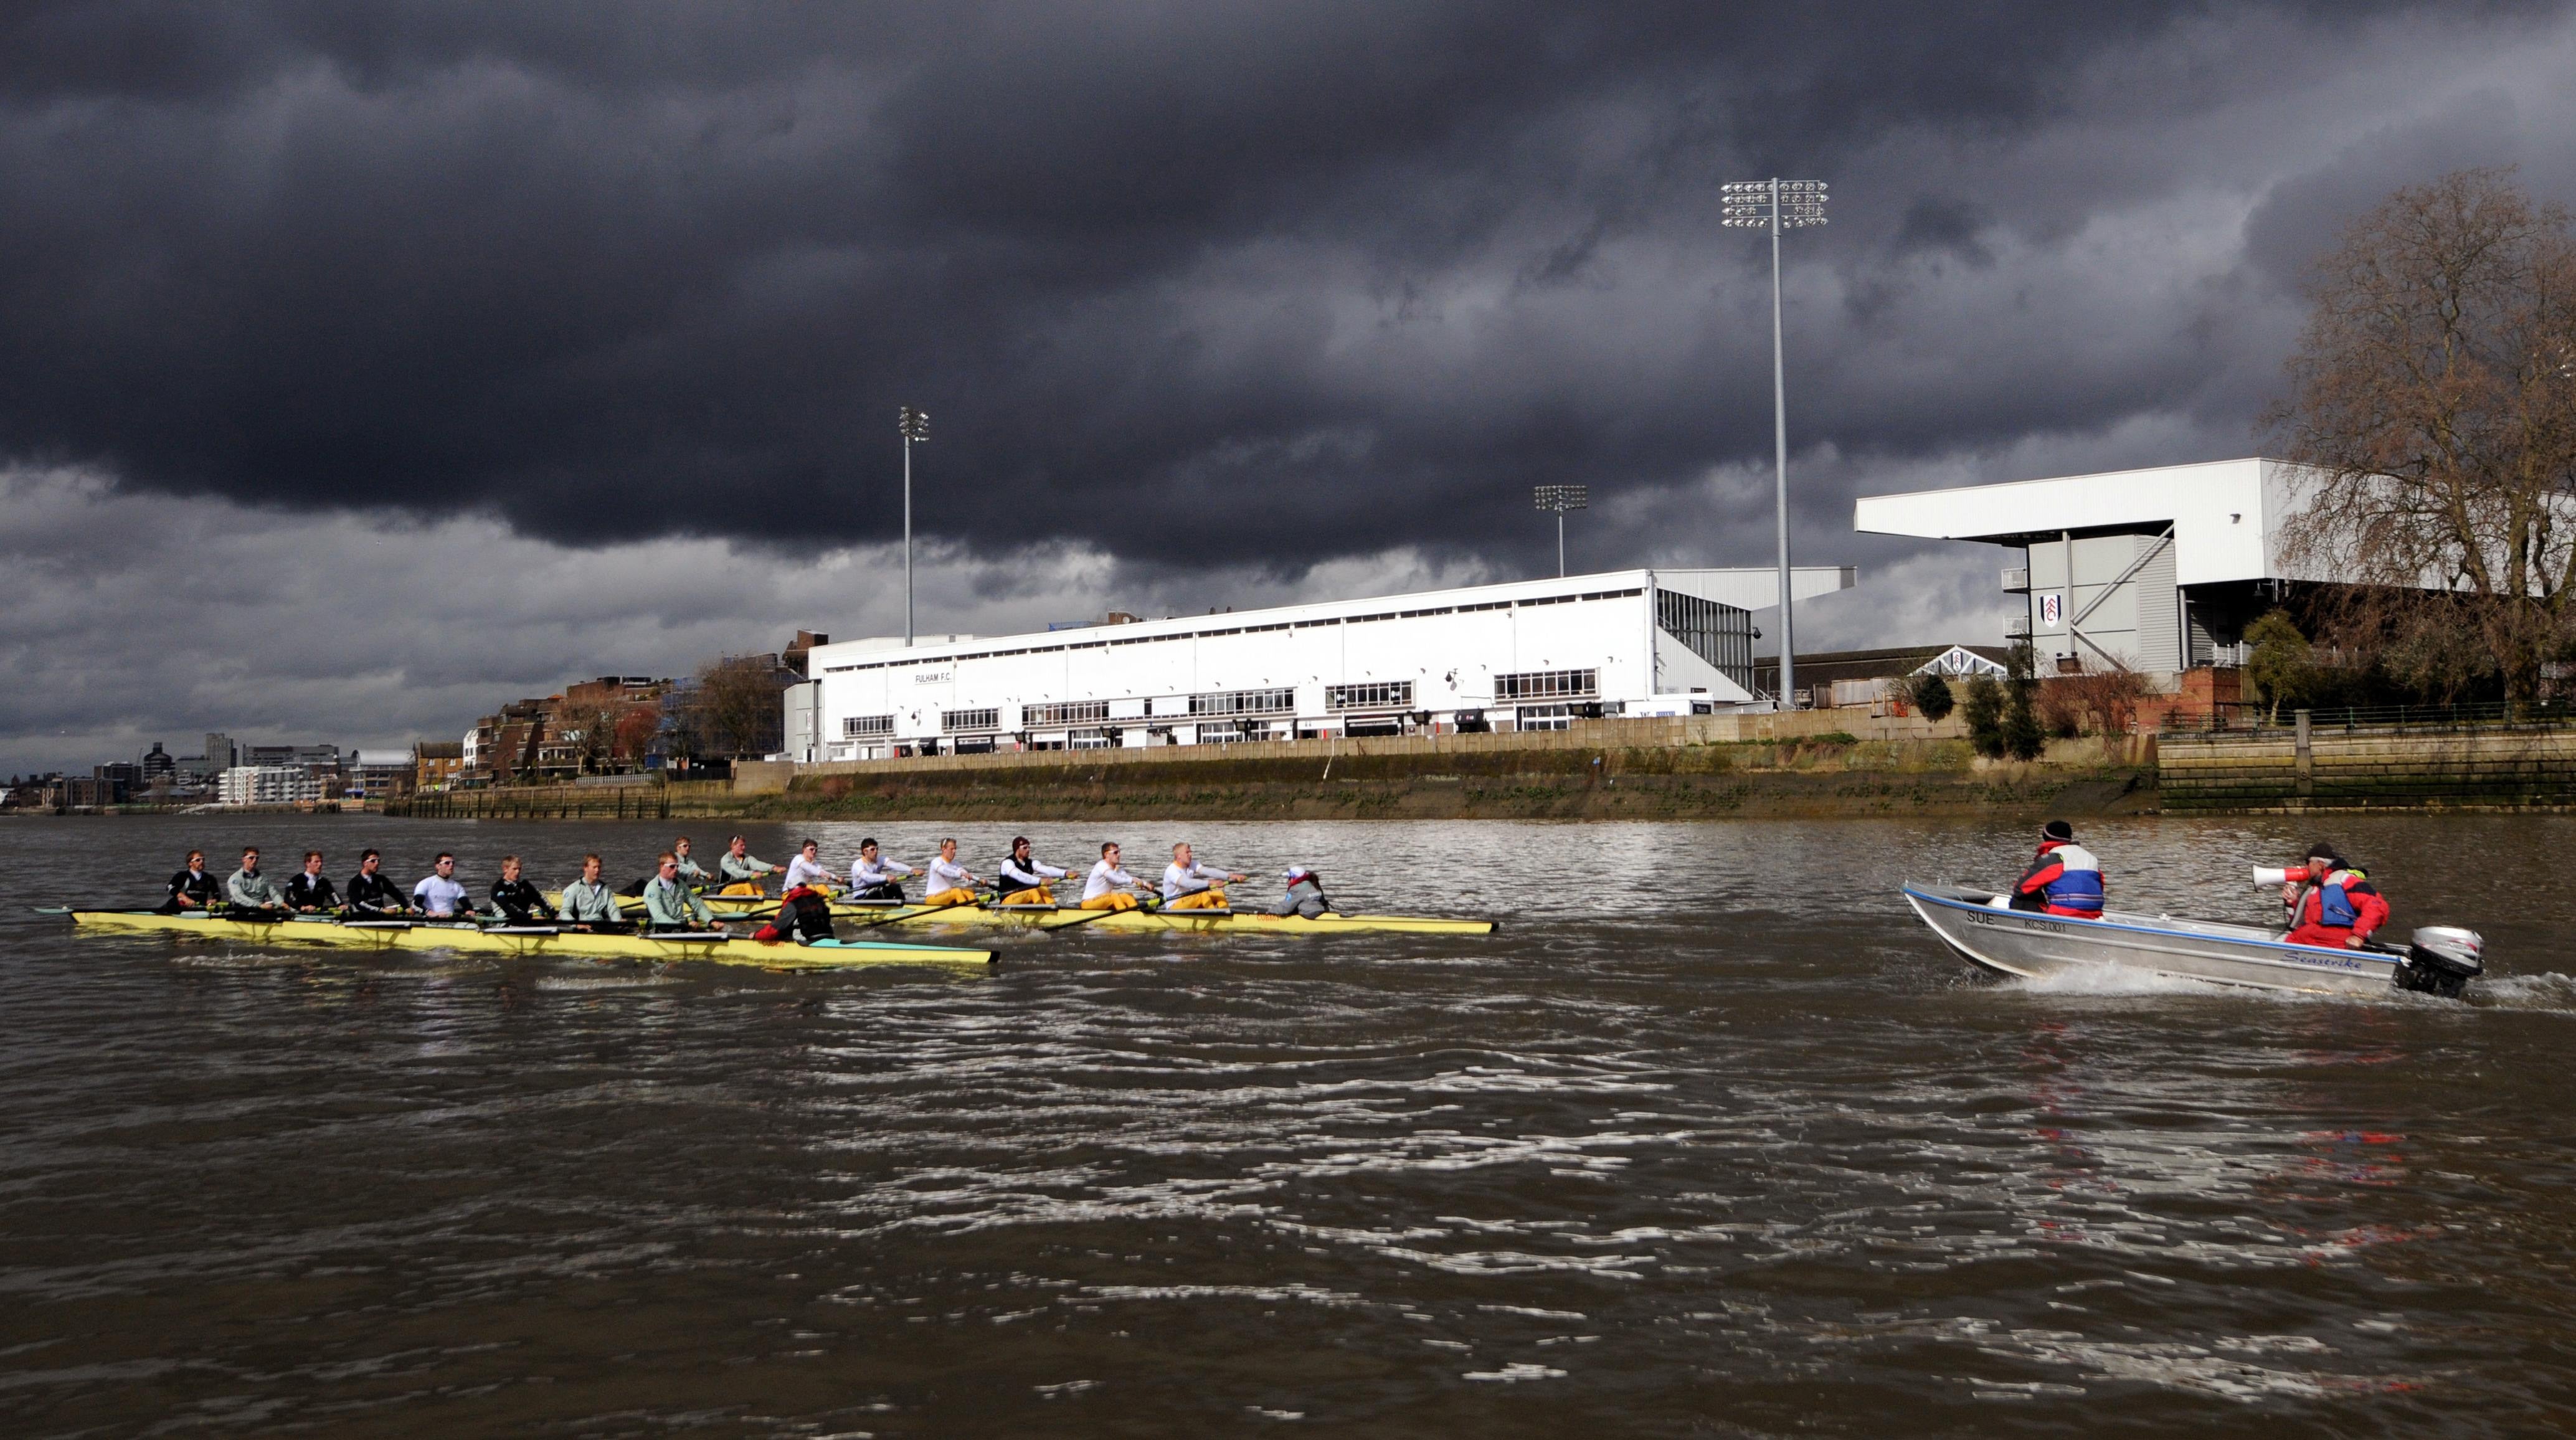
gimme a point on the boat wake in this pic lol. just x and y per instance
(2547, 991)
(2117, 980)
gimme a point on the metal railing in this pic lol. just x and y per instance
(2250, 718)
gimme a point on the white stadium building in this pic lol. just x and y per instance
(1534, 654)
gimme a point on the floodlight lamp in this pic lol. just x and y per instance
(915, 424)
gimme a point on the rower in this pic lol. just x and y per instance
(248, 889)
(1024, 879)
(1100, 889)
(2333, 903)
(438, 893)
(192, 888)
(310, 893)
(370, 893)
(874, 879)
(806, 869)
(588, 902)
(742, 874)
(670, 905)
(515, 900)
(2064, 880)
(692, 874)
(804, 916)
(948, 882)
(1188, 885)
(1305, 895)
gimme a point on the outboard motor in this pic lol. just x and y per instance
(2442, 961)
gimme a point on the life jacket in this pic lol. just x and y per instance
(2334, 902)
(2079, 885)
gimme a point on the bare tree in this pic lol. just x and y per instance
(736, 705)
(2435, 391)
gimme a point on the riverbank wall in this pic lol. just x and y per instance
(2313, 765)
(1806, 764)
(1813, 763)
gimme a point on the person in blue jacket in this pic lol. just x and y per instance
(2064, 880)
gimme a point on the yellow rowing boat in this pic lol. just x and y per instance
(1057, 917)
(535, 940)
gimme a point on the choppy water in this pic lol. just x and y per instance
(1712, 1139)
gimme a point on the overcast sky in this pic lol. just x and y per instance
(364, 365)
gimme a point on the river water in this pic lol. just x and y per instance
(1712, 1139)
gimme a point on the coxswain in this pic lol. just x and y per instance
(806, 869)
(670, 905)
(948, 882)
(1189, 885)
(248, 889)
(370, 893)
(2336, 905)
(588, 902)
(515, 900)
(2065, 879)
(310, 892)
(192, 888)
(1100, 889)
(1026, 880)
(438, 894)
(804, 916)
(741, 873)
(1305, 895)
(875, 879)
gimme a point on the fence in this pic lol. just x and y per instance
(2250, 718)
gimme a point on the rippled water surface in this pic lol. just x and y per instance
(1712, 1139)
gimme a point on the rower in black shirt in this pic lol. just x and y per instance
(311, 891)
(515, 900)
(192, 888)
(370, 893)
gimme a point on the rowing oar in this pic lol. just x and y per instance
(899, 912)
(1147, 907)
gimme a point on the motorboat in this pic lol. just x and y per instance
(1986, 932)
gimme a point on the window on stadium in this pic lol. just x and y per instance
(856, 727)
(1546, 684)
(1544, 717)
(1372, 695)
(1094, 739)
(1245, 702)
(1067, 712)
(952, 721)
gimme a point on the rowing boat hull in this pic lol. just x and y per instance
(1241, 922)
(2029, 945)
(1203, 922)
(729, 950)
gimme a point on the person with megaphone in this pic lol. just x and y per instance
(2331, 901)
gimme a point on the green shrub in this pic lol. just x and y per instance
(1930, 696)
(1984, 712)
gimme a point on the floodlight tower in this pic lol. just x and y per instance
(915, 425)
(1561, 498)
(1778, 205)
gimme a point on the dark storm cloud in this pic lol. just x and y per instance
(1198, 285)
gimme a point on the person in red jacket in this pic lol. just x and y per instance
(2336, 906)
(2065, 879)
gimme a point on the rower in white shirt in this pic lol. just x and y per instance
(948, 882)
(1026, 880)
(806, 869)
(1100, 889)
(1188, 885)
(875, 878)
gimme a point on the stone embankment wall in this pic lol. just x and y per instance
(1812, 763)
(2328, 767)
